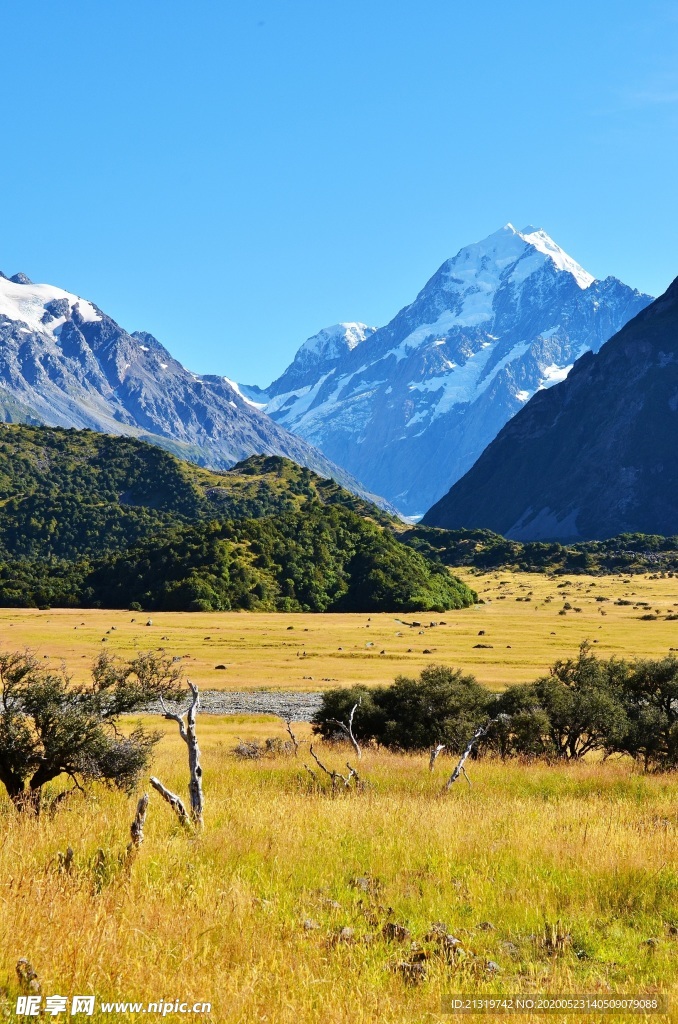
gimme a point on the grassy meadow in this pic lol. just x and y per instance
(524, 634)
(554, 879)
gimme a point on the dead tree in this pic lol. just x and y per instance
(348, 729)
(186, 723)
(477, 735)
(336, 777)
(137, 827)
(435, 752)
(175, 802)
(295, 741)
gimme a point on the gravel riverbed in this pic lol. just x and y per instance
(297, 707)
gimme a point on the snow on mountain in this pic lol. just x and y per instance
(318, 354)
(63, 362)
(41, 307)
(613, 424)
(408, 408)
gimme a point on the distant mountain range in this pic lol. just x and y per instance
(593, 457)
(408, 408)
(63, 362)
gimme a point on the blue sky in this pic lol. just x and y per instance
(234, 176)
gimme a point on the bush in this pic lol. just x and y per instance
(583, 705)
(442, 706)
(582, 699)
(50, 727)
(650, 696)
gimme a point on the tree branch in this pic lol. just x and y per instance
(137, 826)
(477, 735)
(173, 800)
(295, 741)
(348, 729)
(435, 752)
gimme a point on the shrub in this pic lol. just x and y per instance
(582, 699)
(442, 706)
(650, 697)
(50, 727)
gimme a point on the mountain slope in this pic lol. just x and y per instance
(98, 520)
(410, 407)
(593, 457)
(63, 362)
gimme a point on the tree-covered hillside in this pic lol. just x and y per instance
(92, 519)
(627, 553)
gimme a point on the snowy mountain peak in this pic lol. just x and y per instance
(512, 254)
(412, 405)
(333, 341)
(64, 362)
(42, 307)
(543, 243)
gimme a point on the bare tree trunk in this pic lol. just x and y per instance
(435, 752)
(195, 768)
(188, 735)
(137, 826)
(295, 741)
(173, 800)
(477, 735)
(348, 729)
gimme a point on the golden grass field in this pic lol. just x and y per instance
(278, 651)
(589, 849)
(586, 851)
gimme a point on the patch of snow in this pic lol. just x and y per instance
(332, 342)
(26, 303)
(516, 352)
(522, 396)
(545, 244)
(144, 348)
(248, 401)
(163, 366)
(553, 374)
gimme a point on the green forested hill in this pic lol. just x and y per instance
(627, 553)
(93, 519)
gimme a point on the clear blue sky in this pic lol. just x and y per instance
(234, 175)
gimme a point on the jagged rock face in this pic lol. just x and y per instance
(595, 456)
(410, 407)
(63, 362)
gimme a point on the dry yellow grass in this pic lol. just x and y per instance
(279, 651)
(221, 917)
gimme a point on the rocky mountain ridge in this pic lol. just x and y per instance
(595, 456)
(409, 407)
(64, 362)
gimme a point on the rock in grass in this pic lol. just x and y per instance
(393, 932)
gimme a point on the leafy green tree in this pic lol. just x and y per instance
(522, 727)
(582, 699)
(650, 699)
(443, 705)
(51, 727)
(337, 704)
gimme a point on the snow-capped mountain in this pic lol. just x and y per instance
(592, 458)
(63, 362)
(410, 407)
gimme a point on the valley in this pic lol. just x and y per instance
(523, 633)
